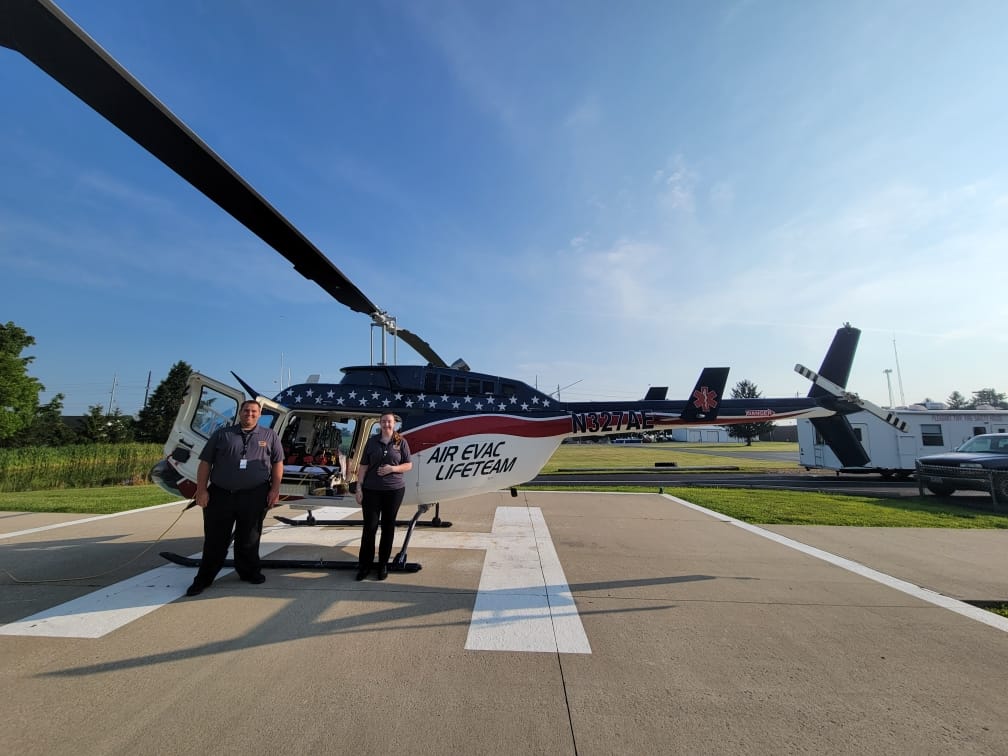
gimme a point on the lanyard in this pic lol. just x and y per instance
(245, 440)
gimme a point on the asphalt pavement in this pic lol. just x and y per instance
(581, 623)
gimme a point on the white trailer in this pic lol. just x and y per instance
(893, 452)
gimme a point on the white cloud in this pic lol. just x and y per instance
(676, 183)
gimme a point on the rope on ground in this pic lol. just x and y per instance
(128, 562)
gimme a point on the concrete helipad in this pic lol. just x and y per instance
(549, 623)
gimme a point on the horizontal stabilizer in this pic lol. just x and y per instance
(656, 394)
(702, 405)
(840, 437)
(830, 387)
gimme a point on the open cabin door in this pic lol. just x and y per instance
(206, 406)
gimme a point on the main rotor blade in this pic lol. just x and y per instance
(51, 40)
(421, 347)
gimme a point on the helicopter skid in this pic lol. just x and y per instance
(305, 564)
(312, 522)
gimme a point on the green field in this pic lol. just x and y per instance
(750, 505)
(617, 456)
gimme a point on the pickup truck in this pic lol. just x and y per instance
(980, 464)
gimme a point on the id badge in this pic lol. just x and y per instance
(242, 464)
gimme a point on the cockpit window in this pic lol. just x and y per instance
(214, 411)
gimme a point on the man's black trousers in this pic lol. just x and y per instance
(241, 511)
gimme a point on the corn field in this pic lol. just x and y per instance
(42, 468)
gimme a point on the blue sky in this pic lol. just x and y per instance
(609, 195)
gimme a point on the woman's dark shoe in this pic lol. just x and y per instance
(382, 571)
(362, 573)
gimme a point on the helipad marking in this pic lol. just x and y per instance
(523, 602)
(932, 597)
(99, 613)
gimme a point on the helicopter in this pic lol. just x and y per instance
(468, 432)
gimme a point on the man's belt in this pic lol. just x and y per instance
(232, 491)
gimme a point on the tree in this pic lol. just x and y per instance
(957, 401)
(155, 420)
(102, 428)
(19, 392)
(46, 429)
(988, 396)
(745, 389)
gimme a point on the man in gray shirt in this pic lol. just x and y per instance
(238, 479)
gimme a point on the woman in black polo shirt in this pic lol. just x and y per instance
(380, 490)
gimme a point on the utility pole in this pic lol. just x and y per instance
(115, 380)
(888, 380)
(147, 390)
(899, 375)
(566, 387)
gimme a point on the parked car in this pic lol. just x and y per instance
(980, 464)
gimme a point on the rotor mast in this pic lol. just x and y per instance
(387, 323)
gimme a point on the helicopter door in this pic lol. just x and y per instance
(206, 406)
(366, 427)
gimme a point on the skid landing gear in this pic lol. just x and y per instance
(293, 564)
(311, 521)
(399, 562)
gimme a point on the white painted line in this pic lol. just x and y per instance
(99, 613)
(524, 602)
(69, 523)
(925, 594)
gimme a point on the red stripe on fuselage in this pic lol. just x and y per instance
(425, 436)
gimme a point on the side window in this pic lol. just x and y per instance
(931, 435)
(338, 434)
(215, 410)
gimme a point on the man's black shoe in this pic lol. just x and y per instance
(361, 574)
(382, 571)
(255, 579)
(195, 589)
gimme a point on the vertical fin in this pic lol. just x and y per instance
(836, 365)
(836, 430)
(840, 437)
(702, 405)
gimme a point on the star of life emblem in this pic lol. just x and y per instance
(704, 399)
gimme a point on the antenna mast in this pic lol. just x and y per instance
(899, 375)
(888, 380)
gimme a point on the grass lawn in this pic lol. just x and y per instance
(106, 500)
(769, 507)
(615, 456)
(750, 505)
